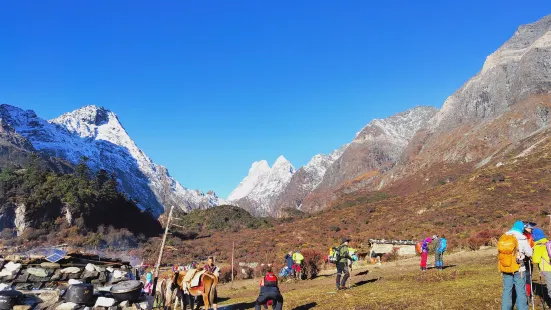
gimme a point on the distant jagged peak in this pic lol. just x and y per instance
(90, 114)
(95, 122)
(400, 127)
(282, 163)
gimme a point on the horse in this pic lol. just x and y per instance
(207, 290)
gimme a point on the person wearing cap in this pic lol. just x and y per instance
(425, 253)
(528, 227)
(541, 256)
(516, 280)
(342, 264)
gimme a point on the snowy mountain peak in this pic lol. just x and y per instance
(96, 133)
(263, 185)
(282, 164)
(259, 170)
(92, 122)
(398, 129)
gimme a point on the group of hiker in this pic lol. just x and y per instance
(439, 244)
(519, 249)
(293, 265)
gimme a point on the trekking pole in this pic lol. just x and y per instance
(531, 282)
(542, 293)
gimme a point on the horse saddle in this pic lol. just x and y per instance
(193, 277)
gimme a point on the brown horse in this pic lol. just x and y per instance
(207, 290)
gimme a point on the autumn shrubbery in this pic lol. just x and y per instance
(390, 256)
(226, 274)
(483, 238)
(313, 260)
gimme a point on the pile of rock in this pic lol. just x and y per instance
(44, 283)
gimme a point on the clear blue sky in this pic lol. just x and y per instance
(207, 87)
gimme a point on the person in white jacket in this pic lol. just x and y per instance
(517, 279)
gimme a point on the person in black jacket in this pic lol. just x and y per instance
(269, 291)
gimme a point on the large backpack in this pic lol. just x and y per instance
(507, 248)
(443, 245)
(419, 247)
(335, 256)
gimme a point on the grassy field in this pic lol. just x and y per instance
(470, 282)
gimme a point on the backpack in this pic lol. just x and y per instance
(507, 248)
(419, 247)
(335, 256)
(548, 248)
(270, 280)
(443, 245)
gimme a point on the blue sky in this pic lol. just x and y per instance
(207, 87)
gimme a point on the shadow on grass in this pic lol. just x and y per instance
(306, 307)
(541, 294)
(239, 306)
(445, 267)
(364, 282)
(363, 273)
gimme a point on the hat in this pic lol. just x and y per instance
(434, 237)
(530, 225)
(429, 240)
(538, 234)
(518, 226)
(345, 239)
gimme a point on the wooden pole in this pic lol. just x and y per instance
(232, 250)
(156, 272)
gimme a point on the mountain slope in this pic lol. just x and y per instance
(304, 181)
(263, 187)
(374, 150)
(97, 134)
(507, 101)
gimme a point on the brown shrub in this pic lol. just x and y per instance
(226, 274)
(390, 256)
(313, 260)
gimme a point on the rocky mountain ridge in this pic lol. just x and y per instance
(504, 103)
(96, 134)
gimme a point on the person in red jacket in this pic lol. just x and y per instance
(269, 291)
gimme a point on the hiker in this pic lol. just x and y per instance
(512, 248)
(425, 253)
(435, 245)
(342, 264)
(289, 260)
(541, 256)
(528, 227)
(210, 267)
(269, 291)
(297, 259)
(439, 252)
(148, 283)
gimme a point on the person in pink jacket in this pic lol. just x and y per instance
(425, 253)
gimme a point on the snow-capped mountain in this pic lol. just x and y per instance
(259, 190)
(304, 181)
(259, 171)
(97, 134)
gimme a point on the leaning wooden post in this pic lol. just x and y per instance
(156, 272)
